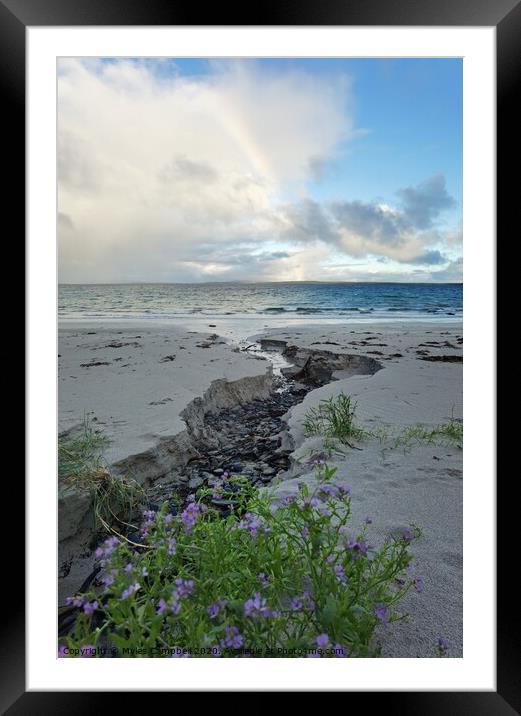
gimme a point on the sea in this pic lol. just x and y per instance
(242, 312)
(288, 301)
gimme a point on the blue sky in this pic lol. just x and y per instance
(411, 109)
(340, 169)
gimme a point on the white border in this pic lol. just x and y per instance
(476, 671)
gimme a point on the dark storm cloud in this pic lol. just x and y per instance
(309, 222)
(423, 204)
(371, 221)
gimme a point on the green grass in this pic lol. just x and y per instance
(81, 456)
(116, 498)
(334, 418)
(450, 433)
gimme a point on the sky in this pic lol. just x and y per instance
(187, 170)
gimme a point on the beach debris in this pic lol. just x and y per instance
(120, 344)
(443, 359)
(167, 359)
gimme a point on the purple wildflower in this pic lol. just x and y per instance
(418, 584)
(128, 568)
(110, 544)
(322, 641)
(251, 523)
(106, 549)
(264, 581)
(185, 587)
(309, 501)
(297, 604)
(172, 546)
(130, 590)
(108, 579)
(161, 606)
(90, 607)
(357, 547)
(256, 607)
(407, 534)
(380, 612)
(324, 489)
(343, 489)
(214, 609)
(168, 519)
(190, 515)
(304, 531)
(443, 644)
(175, 604)
(340, 575)
(74, 602)
(232, 639)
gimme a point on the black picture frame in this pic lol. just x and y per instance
(505, 15)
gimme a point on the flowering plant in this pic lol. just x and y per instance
(288, 579)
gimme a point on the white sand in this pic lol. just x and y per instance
(138, 396)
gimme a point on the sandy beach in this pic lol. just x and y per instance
(140, 384)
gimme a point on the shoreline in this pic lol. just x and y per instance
(241, 328)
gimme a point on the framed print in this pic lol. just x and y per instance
(256, 254)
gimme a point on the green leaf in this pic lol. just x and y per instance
(329, 612)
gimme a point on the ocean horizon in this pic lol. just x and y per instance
(378, 300)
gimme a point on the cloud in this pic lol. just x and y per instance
(153, 165)
(430, 258)
(307, 221)
(375, 229)
(165, 177)
(452, 272)
(375, 224)
(182, 169)
(422, 204)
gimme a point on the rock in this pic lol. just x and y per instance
(271, 344)
(120, 344)
(443, 359)
(195, 482)
(269, 472)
